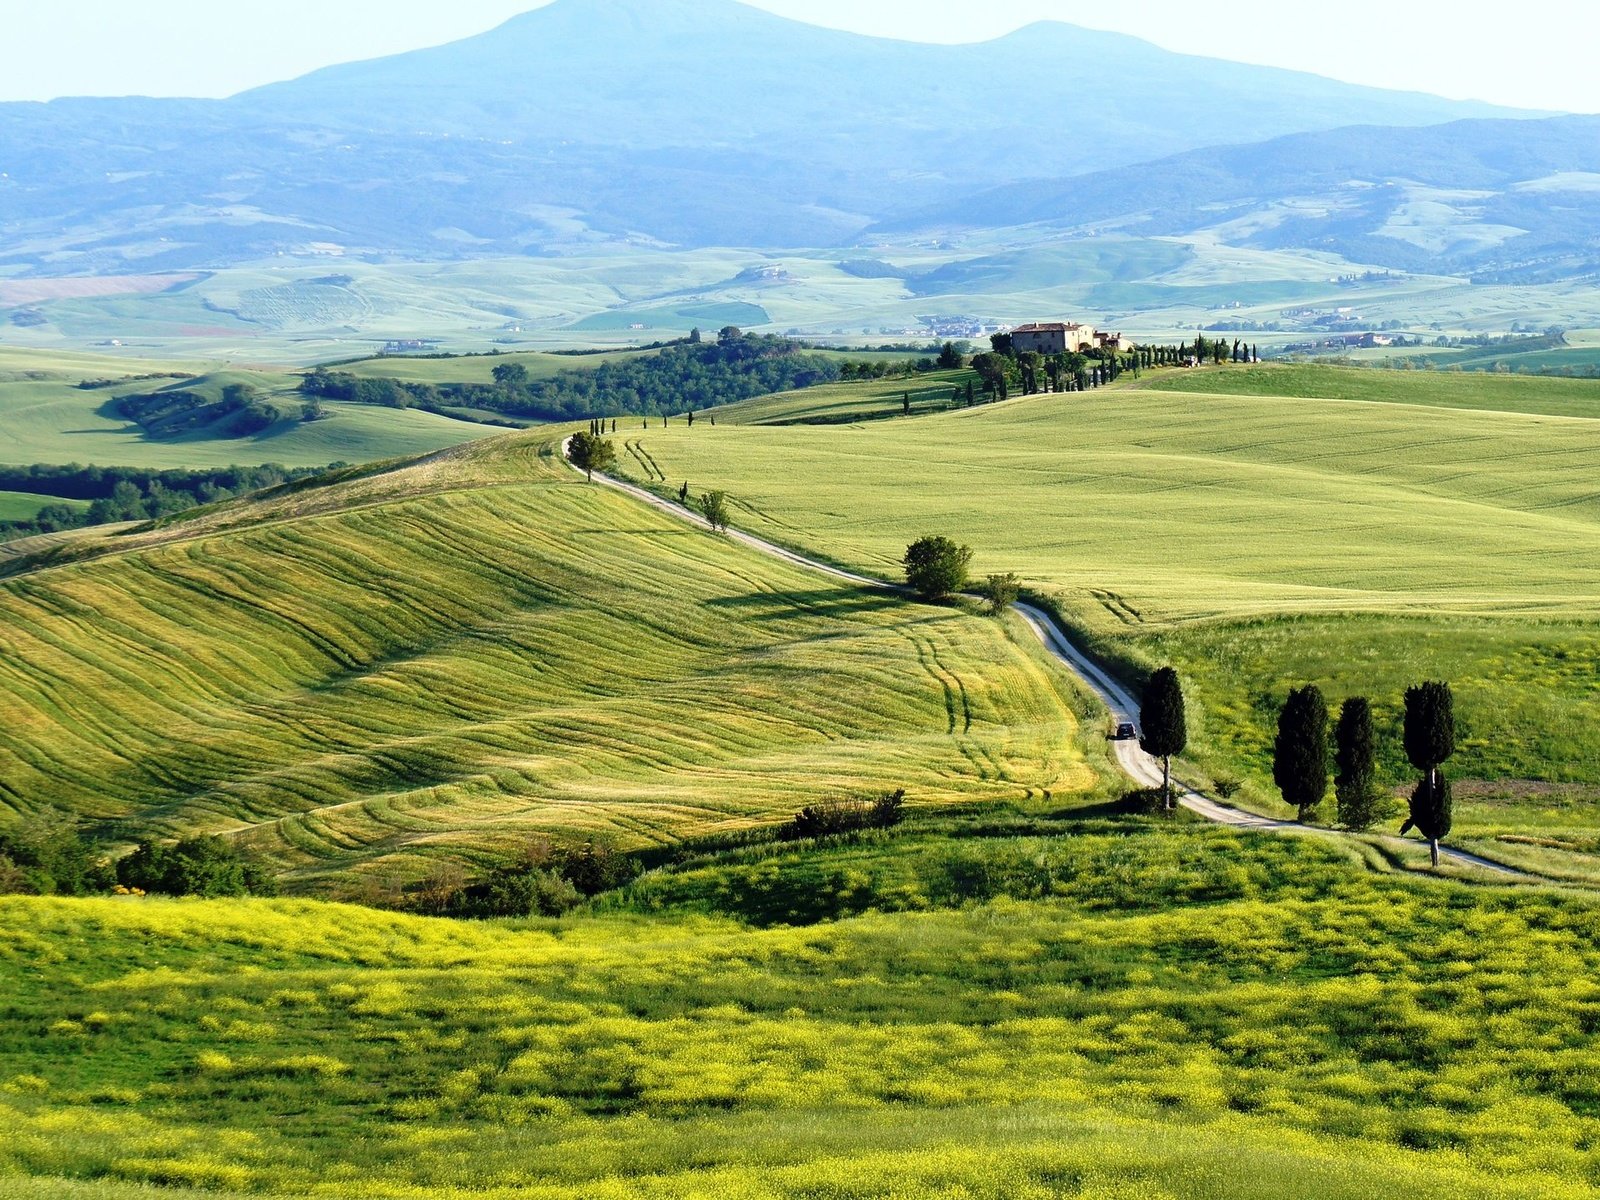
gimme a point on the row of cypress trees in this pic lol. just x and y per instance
(1302, 750)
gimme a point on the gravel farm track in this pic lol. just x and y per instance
(1139, 766)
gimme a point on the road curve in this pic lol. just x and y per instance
(1139, 766)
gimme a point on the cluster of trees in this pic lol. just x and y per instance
(938, 568)
(950, 357)
(683, 377)
(832, 817)
(200, 866)
(132, 494)
(1302, 753)
(47, 854)
(240, 412)
(545, 881)
(1306, 748)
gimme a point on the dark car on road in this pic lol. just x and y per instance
(1125, 732)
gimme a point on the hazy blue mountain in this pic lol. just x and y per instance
(692, 122)
(1502, 200)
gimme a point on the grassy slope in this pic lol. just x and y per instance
(841, 403)
(479, 648)
(1202, 1015)
(46, 418)
(1496, 393)
(24, 506)
(1259, 543)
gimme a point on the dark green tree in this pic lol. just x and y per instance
(714, 508)
(1001, 591)
(905, 404)
(1430, 741)
(1164, 730)
(993, 370)
(511, 375)
(1029, 362)
(937, 567)
(1432, 811)
(1300, 754)
(950, 358)
(590, 453)
(1355, 763)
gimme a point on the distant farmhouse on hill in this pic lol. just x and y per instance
(1065, 337)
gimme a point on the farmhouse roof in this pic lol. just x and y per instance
(1048, 327)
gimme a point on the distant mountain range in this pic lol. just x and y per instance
(677, 122)
(1502, 201)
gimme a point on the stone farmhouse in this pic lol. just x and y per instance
(1055, 337)
(1065, 337)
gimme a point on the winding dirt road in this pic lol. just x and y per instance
(1139, 766)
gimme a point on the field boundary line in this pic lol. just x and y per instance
(1112, 694)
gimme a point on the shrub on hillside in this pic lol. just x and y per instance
(546, 881)
(831, 817)
(201, 866)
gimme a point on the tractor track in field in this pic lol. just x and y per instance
(1118, 700)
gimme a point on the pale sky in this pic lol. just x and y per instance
(1531, 54)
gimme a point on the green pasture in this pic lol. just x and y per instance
(843, 403)
(442, 659)
(1433, 389)
(46, 418)
(985, 1012)
(1259, 542)
(25, 506)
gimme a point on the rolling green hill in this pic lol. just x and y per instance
(47, 417)
(455, 656)
(1260, 542)
(1430, 389)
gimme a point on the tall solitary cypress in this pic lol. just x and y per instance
(1165, 731)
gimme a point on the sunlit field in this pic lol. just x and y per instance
(1113, 1013)
(457, 656)
(1260, 542)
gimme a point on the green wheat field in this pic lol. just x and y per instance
(1024, 990)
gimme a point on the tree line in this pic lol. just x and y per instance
(683, 377)
(132, 493)
(48, 854)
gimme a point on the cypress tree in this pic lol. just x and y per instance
(1355, 759)
(1430, 740)
(1300, 755)
(1165, 731)
(1432, 810)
